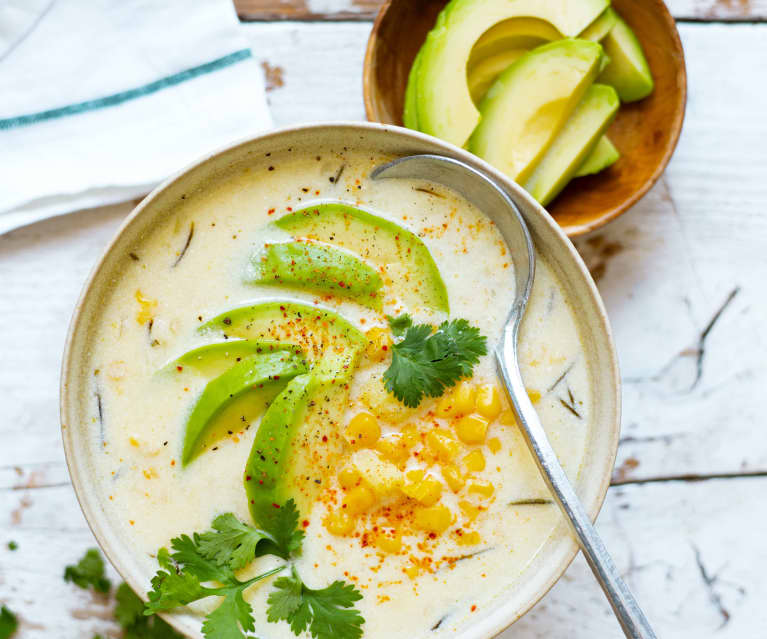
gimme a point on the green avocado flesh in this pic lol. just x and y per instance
(445, 107)
(482, 75)
(598, 29)
(331, 343)
(211, 360)
(628, 70)
(604, 154)
(320, 268)
(408, 268)
(252, 373)
(530, 102)
(266, 471)
(579, 136)
(410, 113)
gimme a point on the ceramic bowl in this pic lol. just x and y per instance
(645, 132)
(594, 476)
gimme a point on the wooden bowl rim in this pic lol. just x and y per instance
(660, 167)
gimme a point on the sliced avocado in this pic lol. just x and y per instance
(598, 29)
(578, 137)
(410, 114)
(330, 342)
(320, 268)
(483, 74)
(628, 70)
(252, 373)
(211, 360)
(603, 155)
(530, 102)
(516, 33)
(266, 471)
(445, 107)
(401, 256)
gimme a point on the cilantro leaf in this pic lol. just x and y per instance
(328, 613)
(129, 613)
(8, 623)
(426, 363)
(89, 571)
(399, 324)
(232, 543)
(286, 534)
(183, 572)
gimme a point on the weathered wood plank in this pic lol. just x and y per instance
(333, 10)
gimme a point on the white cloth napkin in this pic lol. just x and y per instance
(102, 99)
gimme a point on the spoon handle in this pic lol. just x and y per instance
(625, 606)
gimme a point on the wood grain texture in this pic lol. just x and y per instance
(664, 269)
(645, 132)
(311, 10)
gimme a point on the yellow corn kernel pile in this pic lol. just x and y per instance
(363, 430)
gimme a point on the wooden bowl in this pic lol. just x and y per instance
(645, 132)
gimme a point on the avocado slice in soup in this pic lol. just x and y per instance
(252, 373)
(445, 107)
(331, 343)
(211, 360)
(317, 267)
(530, 102)
(408, 268)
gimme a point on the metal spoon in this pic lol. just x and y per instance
(498, 206)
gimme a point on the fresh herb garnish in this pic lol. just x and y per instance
(12, 545)
(8, 623)
(399, 324)
(327, 614)
(426, 363)
(214, 556)
(129, 613)
(89, 571)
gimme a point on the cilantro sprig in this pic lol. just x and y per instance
(8, 623)
(89, 571)
(328, 613)
(204, 565)
(427, 362)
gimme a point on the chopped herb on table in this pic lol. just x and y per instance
(8, 623)
(214, 556)
(427, 362)
(12, 545)
(89, 571)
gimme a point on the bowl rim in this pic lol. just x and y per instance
(497, 620)
(675, 125)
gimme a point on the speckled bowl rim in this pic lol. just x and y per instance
(547, 567)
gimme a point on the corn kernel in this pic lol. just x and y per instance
(534, 396)
(379, 344)
(507, 418)
(410, 435)
(458, 402)
(394, 448)
(469, 510)
(147, 307)
(380, 475)
(133, 441)
(363, 430)
(412, 571)
(391, 544)
(426, 491)
(453, 478)
(434, 519)
(348, 477)
(471, 429)
(484, 488)
(469, 539)
(494, 444)
(359, 500)
(488, 402)
(474, 461)
(339, 523)
(443, 445)
(415, 475)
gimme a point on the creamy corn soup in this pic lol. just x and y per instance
(433, 511)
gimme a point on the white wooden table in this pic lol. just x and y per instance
(684, 277)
